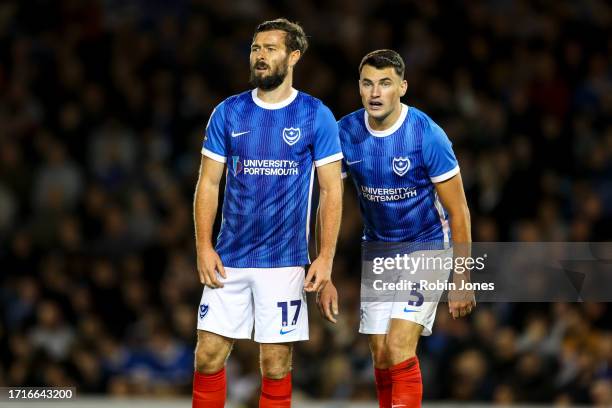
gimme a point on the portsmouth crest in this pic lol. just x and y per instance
(203, 310)
(401, 165)
(291, 135)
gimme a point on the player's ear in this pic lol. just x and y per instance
(294, 57)
(403, 87)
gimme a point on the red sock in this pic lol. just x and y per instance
(383, 387)
(407, 388)
(208, 390)
(275, 393)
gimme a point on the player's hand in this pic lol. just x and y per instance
(319, 274)
(461, 302)
(327, 301)
(210, 267)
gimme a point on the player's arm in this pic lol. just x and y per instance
(318, 223)
(204, 213)
(327, 298)
(452, 196)
(330, 209)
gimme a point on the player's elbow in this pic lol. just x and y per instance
(332, 189)
(206, 188)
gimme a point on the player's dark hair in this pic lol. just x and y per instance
(295, 38)
(383, 59)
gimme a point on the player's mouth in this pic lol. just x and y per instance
(261, 66)
(375, 105)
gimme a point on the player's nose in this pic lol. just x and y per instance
(375, 91)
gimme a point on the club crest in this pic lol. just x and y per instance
(401, 165)
(203, 310)
(291, 135)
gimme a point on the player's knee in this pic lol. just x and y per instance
(275, 371)
(379, 351)
(380, 356)
(275, 367)
(209, 360)
(400, 348)
(380, 359)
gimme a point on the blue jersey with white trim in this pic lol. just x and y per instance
(394, 172)
(271, 151)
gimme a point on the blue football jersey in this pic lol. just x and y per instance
(394, 172)
(271, 151)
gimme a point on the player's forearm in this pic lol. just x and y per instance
(318, 231)
(318, 222)
(460, 225)
(330, 214)
(461, 232)
(205, 211)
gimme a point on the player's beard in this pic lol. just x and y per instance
(272, 81)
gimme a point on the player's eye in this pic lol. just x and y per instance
(386, 84)
(271, 49)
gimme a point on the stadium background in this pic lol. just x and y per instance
(102, 107)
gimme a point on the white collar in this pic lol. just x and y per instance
(277, 105)
(392, 129)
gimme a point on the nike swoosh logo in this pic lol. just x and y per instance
(285, 332)
(354, 162)
(406, 310)
(234, 134)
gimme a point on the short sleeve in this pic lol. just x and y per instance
(438, 154)
(327, 142)
(214, 145)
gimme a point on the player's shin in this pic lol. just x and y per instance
(407, 386)
(209, 390)
(383, 387)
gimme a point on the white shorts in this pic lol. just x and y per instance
(375, 317)
(272, 298)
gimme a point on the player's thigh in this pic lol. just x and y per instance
(228, 311)
(211, 351)
(374, 317)
(281, 313)
(423, 315)
(422, 302)
(275, 359)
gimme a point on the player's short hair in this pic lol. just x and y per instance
(295, 38)
(383, 59)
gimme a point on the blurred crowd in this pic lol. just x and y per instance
(102, 108)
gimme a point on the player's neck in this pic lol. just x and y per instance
(386, 122)
(278, 94)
